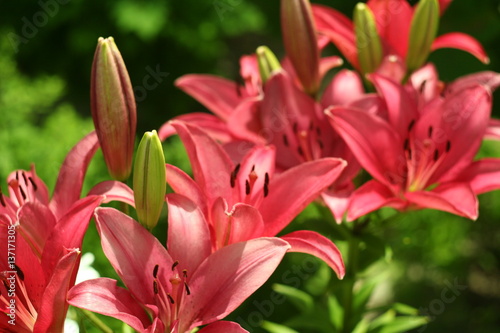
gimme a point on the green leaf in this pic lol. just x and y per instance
(276, 328)
(405, 309)
(362, 326)
(336, 312)
(300, 299)
(404, 324)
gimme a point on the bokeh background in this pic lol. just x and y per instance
(46, 51)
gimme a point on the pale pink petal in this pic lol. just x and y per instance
(245, 122)
(133, 252)
(52, 310)
(487, 78)
(425, 83)
(188, 239)
(69, 182)
(291, 191)
(344, 88)
(105, 297)
(113, 190)
(217, 94)
(368, 198)
(313, 243)
(337, 201)
(483, 175)
(214, 126)
(339, 29)
(393, 67)
(223, 326)
(461, 41)
(493, 130)
(327, 63)
(68, 232)
(36, 222)
(183, 184)
(455, 198)
(228, 277)
(376, 145)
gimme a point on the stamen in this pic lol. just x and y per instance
(253, 168)
(22, 193)
(318, 131)
(409, 154)
(422, 86)
(295, 128)
(155, 271)
(19, 272)
(188, 291)
(410, 126)
(17, 176)
(300, 151)
(2, 201)
(155, 287)
(406, 144)
(285, 140)
(185, 273)
(35, 187)
(24, 177)
(234, 174)
(448, 146)
(170, 298)
(266, 185)
(436, 155)
(247, 187)
(320, 143)
(175, 264)
(429, 133)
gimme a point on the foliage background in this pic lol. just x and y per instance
(44, 111)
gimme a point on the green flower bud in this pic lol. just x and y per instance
(423, 31)
(113, 108)
(268, 63)
(149, 181)
(370, 52)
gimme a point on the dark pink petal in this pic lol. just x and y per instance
(188, 236)
(376, 145)
(133, 258)
(344, 88)
(370, 197)
(245, 122)
(483, 175)
(214, 126)
(288, 197)
(53, 308)
(113, 190)
(217, 94)
(487, 78)
(68, 232)
(36, 222)
(183, 184)
(327, 63)
(455, 198)
(461, 41)
(311, 242)
(401, 108)
(105, 297)
(336, 200)
(339, 29)
(211, 165)
(425, 83)
(69, 182)
(393, 20)
(443, 5)
(223, 326)
(493, 130)
(227, 278)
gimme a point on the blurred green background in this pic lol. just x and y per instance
(46, 51)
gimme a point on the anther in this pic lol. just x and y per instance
(320, 143)
(185, 273)
(19, 272)
(247, 187)
(35, 187)
(234, 174)
(22, 193)
(266, 185)
(410, 126)
(2, 201)
(429, 133)
(285, 140)
(436, 155)
(175, 264)
(300, 151)
(188, 291)
(155, 271)
(17, 176)
(409, 154)
(318, 131)
(155, 287)
(253, 168)
(448, 146)
(422, 86)
(170, 298)
(295, 128)
(24, 177)
(406, 144)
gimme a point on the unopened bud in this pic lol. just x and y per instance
(268, 63)
(423, 31)
(368, 42)
(149, 181)
(113, 108)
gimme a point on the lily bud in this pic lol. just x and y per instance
(113, 108)
(301, 45)
(149, 181)
(370, 52)
(268, 63)
(423, 31)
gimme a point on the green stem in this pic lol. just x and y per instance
(124, 208)
(350, 278)
(95, 321)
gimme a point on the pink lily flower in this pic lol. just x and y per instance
(44, 236)
(421, 155)
(246, 200)
(393, 24)
(179, 289)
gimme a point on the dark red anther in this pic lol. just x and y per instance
(175, 264)
(35, 187)
(170, 298)
(234, 174)
(155, 287)
(422, 86)
(410, 126)
(2, 201)
(266, 185)
(24, 177)
(295, 128)
(247, 187)
(448, 146)
(285, 140)
(19, 272)
(155, 271)
(188, 291)
(22, 193)
(436, 155)
(406, 144)
(185, 273)
(429, 133)
(318, 131)
(320, 143)
(300, 151)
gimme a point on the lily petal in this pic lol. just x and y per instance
(189, 243)
(69, 182)
(213, 125)
(310, 242)
(217, 94)
(493, 130)
(36, 221)
(226, 278)
(183, 184)
(133, 258)
(105, 297)
(345, 87)
(461, 41)
(113, 190)
(288, 197)
(223, 326)
(455, 198)
(487, 78)
(483, 175)
(245, 121)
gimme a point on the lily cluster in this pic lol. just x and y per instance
(284, 138)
